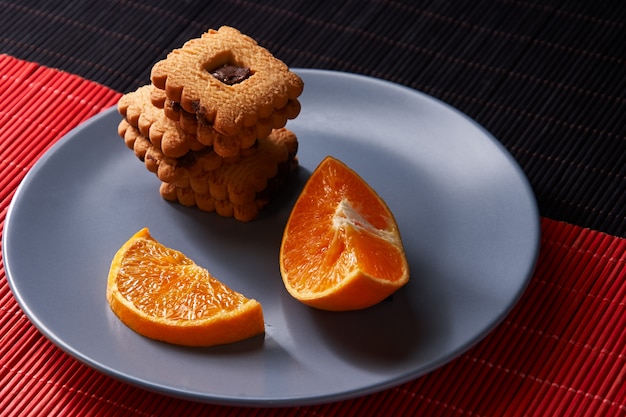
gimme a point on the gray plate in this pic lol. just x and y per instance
(466, 212)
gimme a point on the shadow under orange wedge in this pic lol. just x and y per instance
(341, 248)
(162, 294)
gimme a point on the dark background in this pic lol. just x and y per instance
(547, 79)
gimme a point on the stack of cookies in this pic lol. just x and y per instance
(211, 124)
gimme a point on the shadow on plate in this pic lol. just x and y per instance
(379, 336)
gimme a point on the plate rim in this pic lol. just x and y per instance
(177, 392)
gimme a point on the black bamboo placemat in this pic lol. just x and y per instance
(547, 78)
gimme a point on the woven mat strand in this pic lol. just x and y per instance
(559, 352)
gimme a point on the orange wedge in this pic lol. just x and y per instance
(341, 248)
(162, 294)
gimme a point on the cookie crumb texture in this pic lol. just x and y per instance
(211, 125)
(186, 77)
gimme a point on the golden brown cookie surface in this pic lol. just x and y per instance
(176, 132)
(187, 197)
(187, 77)
(137, 108)
(211, 124)
(174, 170)
(237, 182)
(240, 189)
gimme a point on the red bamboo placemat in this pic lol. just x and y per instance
(561, 351)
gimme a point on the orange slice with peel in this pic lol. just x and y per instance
(162, 294)
(341, 248)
